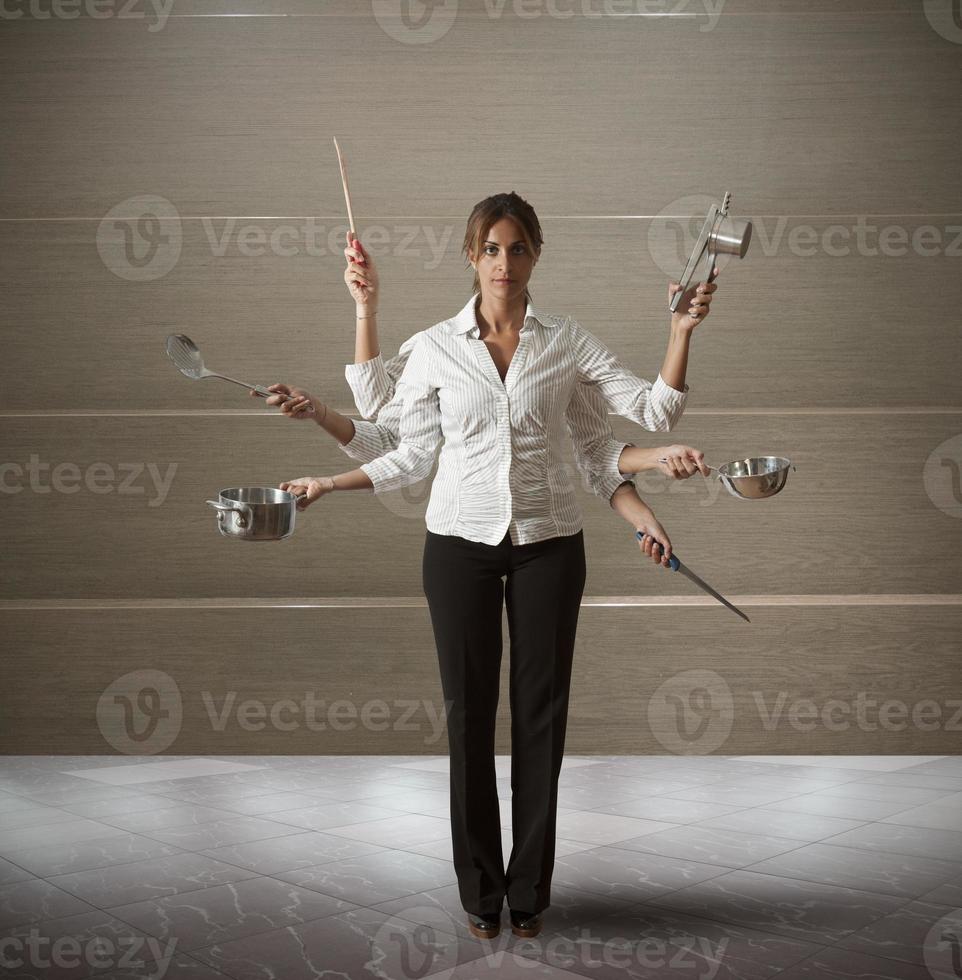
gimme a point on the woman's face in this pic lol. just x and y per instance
(505, 262)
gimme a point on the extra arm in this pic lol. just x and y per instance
(415, 404)
(657, 406)
(373, 384)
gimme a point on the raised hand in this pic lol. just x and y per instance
(694, 305)
(360, 275)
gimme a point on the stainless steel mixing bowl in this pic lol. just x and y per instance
(755, 477)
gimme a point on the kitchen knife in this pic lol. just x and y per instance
(677, 566)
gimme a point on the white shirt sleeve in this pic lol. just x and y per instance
(655, 406)
(374, 439)
(372, 382)
(419, 428)
(596, 450)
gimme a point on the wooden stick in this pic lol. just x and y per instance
(347, 193)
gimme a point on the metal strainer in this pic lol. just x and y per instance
(754, 477)
(188, 360)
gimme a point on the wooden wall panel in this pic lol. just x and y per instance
(601, 115)
(835, 124)
(636, 669)
(792, 327)
(855, 516)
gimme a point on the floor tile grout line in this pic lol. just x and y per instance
(653, 902)
(92, 840)
(811, 881)
(728, 924)
(189, 949)
(732, 922)
(644, 902)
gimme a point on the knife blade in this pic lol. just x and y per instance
(676, 565)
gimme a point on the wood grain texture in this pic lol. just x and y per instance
(791, 326)
(836, 128)
(645, 681)
(854, 517)
(605, 115)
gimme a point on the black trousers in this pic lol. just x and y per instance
(466, 584)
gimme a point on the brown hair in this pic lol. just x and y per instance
(490, 211)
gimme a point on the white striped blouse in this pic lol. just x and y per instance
(596, 451)
(501, 467)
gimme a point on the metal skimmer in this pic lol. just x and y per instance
(188, 360)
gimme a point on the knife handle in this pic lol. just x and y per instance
(673, 562)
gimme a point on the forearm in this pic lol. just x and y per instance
(366, 343)
(626, 502)
(350, 480)
(383, 470)
(335, 424)
(637, 459)
(675, 365)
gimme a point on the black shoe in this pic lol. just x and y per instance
(525, 924)
(485, 926)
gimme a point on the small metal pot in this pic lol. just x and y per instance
(755, 477)
(255, 513)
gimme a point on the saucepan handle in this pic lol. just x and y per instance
(221, 508)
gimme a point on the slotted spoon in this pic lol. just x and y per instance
(188, 360)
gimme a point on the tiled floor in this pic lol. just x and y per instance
(340, 867)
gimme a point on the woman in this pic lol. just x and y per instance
(606, 464)
(491, 387)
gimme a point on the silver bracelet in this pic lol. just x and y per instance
(367, 316)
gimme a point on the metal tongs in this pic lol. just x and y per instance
(719, 233)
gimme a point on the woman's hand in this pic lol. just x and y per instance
(360, 275)
(682, 462)
(694, 305)
(655, 543)
(295, 403)
(307, 489)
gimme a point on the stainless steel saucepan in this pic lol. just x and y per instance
(754, 477)
(255, 513)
